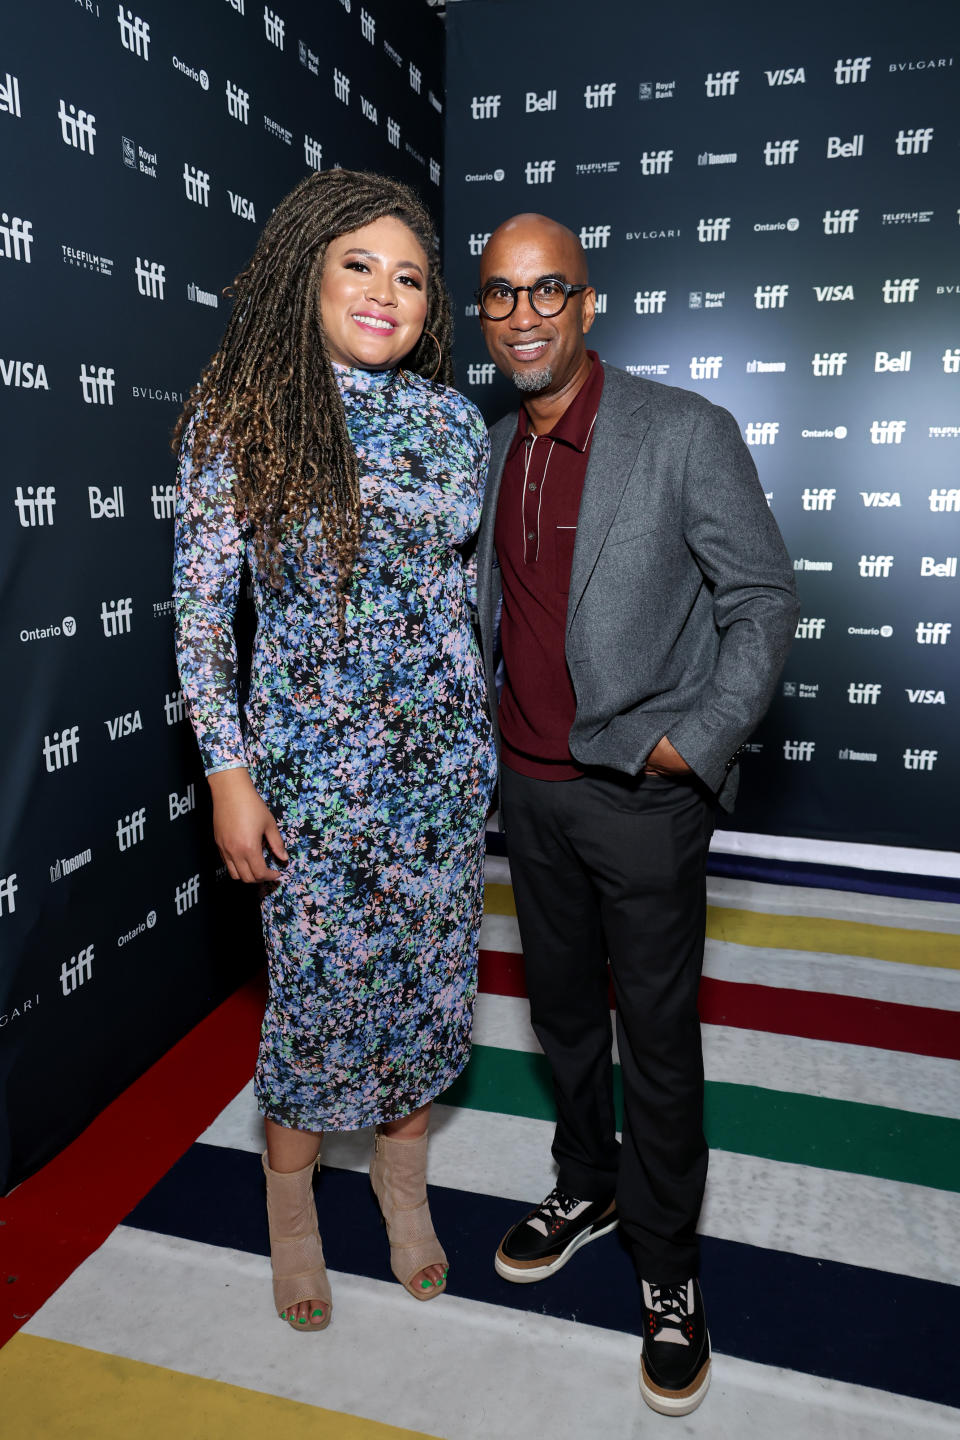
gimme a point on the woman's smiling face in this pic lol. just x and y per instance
(373, 295)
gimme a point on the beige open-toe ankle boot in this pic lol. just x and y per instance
(398, 1174)
(296, 1254)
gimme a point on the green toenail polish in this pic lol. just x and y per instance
(316, 1313)
(426, 1284)
(301, 1321)
(283, 1314)
(446, 1272)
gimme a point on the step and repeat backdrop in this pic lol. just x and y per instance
(141, 149)
(771, 211)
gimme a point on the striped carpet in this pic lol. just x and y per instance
(831, 1263)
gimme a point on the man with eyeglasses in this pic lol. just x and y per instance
(646, 604)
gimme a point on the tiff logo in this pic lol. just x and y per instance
(599, 97)
(933, 632)
(16, 234)
(150, 278)
(37, 509)
(761, 432)
(196, 183)
(134, 33)
(182, 806)
(863, 694)
(175, 707)
(656, 162)
(393, 133)
(798, 749)
(477, 241)
(98, 385)
(780, 152)
(951, 361)
(818, 499)
(594, 237)
(875, 567)
(61, 748)
(914, 142)
(481, 374)
(713, 229)
(435, 171)
(840, 222)
(130, 830)
(919, 759)
(887, 432)
(368, 26)
(273, 27)
(313, 151)
(900, 292)
(341, 86)
(485, 107)
(939, 500)
(650, 302)
(77, 128)
(238, 102)
(851, 72)
(163, 499)
(705, 367)
(415, 78)
(76, 970)
(830, 362)
(771, 297)
(540, 172)
(721, 82)
(187, 894)
(8, 890)
(116, 616)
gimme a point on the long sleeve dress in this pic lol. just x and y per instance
(373, 752)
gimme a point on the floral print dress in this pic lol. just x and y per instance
(373, 752)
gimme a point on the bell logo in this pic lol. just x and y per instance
(913, 142)
(798, 749)
(273, 27)
(900, 292)
(182, 805)
(238, 103)
(721, 82)
(415, 78)
(313, 151)
(130, 830)
(435, 171)
(540, 172)
(175, 707)
(713, 229)
(656, 162)
(939, 500)
(594, 237)
(838, 149)
(761, 432)
(829, 362)
(77, 127)
(875, 567)
(833, 292)
(134, 33)
(780, 152)
(599, 97)
(486, 107)
(368, 26)
(17, 236)
(919, 759)
(650, 302)
(8, 891)
(187, 894)
(705, 367)
(951, 361)
(863, 694)
(75, 971)
(151, 278)
(115, 616)
(945, 570)
(933, 632)
(243, 208)
(110, 508)
(36, 506)
(481, 374)
(851, 72)
(534, 103)
(10, 96)
(770, 297)
(61, 748)
(884, 362)
(123, 725)
(818, 499)
(887, 432)
(840, 222)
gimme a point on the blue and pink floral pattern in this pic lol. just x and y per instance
(374, 753)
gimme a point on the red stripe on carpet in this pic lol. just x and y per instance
(813, 1015)
(58, 1217)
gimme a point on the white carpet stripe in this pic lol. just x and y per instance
(454, 1368)
(834, 974)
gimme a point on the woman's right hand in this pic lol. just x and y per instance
(241, 825)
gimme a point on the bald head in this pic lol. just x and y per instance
(521, 233)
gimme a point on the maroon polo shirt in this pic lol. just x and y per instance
(535, 529)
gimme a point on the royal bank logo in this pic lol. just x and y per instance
(196, 184)
(24, 374)
(238, 103)
(120, 726)
(721, 82)
(827, 363)
(136, 158)
(840, 149)
(313, 150)
(650, 302)
(706, 299)
(793, 690)
(187, 894)
(810, 628)
(933, 632)
(919, 759)
(705, 367)
(175, 707)
(368, 26)
(780, 152)
(486, 107)
(77, 970)
(656, 162)
(709, 230)
(771, 297)
(151, 278)
(131, 829)
(481, 374)
(594, 237)
(97, 384)
(273, 27)
(8, 892)
(341, 86)
(913, 142)
(539, 172)
(875, 567)
(880, 499)
(791, 75)
(600, 97)
(852, 72)
(35, 505)
(761, 432)
(840, 222)
(116, 616)
(657, 89)
(61, 749)
(10, 96)
(818, 499)
(887, 432)
(830, 294)
(134, 33)
(798, 749)
(535, 104)
(182, 805)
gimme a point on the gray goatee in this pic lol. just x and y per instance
(530, 381)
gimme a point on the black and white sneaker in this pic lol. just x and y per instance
(543, 1241)
(675, 1361)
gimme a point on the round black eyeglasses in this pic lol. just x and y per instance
(547, 297)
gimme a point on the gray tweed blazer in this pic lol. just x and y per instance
(682, 599)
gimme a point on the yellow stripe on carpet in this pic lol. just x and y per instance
(802, 932)
(50, 1388)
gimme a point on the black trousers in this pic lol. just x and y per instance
(614, 866)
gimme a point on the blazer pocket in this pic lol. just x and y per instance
(618, 537)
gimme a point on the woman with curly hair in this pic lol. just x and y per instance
(319, 448)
